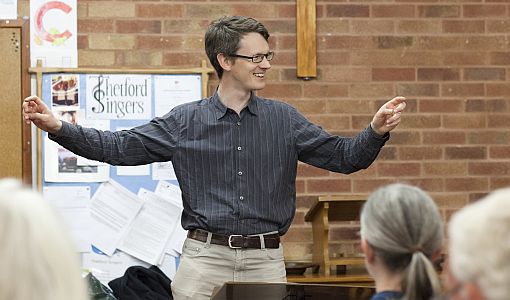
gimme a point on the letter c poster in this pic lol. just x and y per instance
(53, 33)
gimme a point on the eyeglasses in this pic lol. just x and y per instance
(256, 58)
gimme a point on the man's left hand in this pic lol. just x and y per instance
(389, 115)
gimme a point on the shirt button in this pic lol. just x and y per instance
(241, 198)
(239, 148)
(239, 173)
(238, 123)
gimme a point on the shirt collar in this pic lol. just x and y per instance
(220, 109)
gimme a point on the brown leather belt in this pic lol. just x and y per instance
(237, 241)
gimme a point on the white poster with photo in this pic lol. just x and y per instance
(174, 90)
(119, 96)
(61, 165)
(53, 33)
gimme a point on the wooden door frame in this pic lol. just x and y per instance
(25, 86)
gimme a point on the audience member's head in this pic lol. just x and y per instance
(37, 257)
(401, 231)
(479, 249)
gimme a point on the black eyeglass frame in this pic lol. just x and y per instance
(256, 58)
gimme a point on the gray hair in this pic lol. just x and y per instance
(224, 35)
(37, 256)
(403, 225)
(479, 244)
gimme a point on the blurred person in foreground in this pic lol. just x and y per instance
(479, 250)
(38, 258)
(401, 234)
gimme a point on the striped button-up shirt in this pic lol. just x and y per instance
(237, 173)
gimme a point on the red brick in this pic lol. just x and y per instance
(462, 89)
(472, 121)
(349, 106)
(418, 26)
(347, 10)
(399, 137)
(330, 58)
(427, 184)
(484, 11)
(420, 153)
(499, 58)
(489, 137)
(498, 89)
(439, 43)
(387, 153)
(418, 89)
(347, 42)
(444, 137)
(441, 106)
(465, 152)
(462, 26)
(421, 121)
(399, 169)
(466, 184)
(465, 58)
(499, 182)
(499, 152)
(393, 11)
(499, 121)
(317, 90)
(164, 11)
(370, 185)
(94, 25)
(393, 74)
(306, 107)
(445, 169)
(438, 74)
(327, 186)
(331, 122)
(489, 168)
(138, 26)
(438, 11)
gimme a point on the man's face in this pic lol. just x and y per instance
(247, 74)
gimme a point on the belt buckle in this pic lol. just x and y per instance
(230, 241)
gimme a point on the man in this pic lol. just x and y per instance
(479, 249)
(235, 156)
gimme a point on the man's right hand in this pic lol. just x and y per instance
(35, 111)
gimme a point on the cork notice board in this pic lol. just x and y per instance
(15, 158)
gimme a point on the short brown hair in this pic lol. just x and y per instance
(224, 34)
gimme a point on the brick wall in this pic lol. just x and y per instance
(449, 58)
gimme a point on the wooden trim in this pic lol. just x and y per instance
(25, 87)
(306, 39)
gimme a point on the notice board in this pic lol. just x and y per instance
(112, 100)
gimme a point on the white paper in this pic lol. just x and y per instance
(169, 191)
(106, 268)
(53, 33)
(113, 209)
(173, 90)
(119, 96)
(173, 193)
(150, 230)
(72, 203)
(168, 266)
(163, 171)
(8, 9)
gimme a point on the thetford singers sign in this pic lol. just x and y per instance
(118, 96)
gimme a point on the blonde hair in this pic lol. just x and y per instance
(38, 259)
(479, 244)
(403, 226)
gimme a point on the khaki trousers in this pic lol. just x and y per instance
(204, 266)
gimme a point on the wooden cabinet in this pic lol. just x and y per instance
(332, 208)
